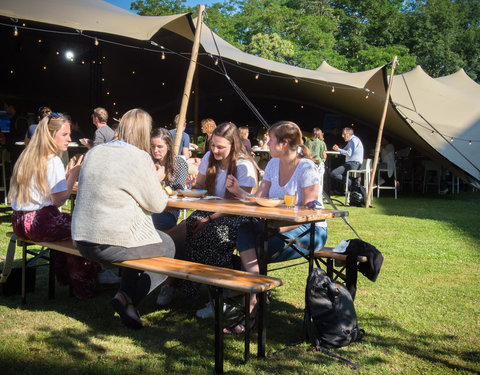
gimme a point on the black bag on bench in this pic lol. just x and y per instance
(330, 317)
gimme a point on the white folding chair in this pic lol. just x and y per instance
(365, 170)
(382, 168)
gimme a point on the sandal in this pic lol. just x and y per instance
(121, 309)
(238, 327)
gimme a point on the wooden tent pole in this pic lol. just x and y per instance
(380, 134)
(188, 81)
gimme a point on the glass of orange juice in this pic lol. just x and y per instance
(290, 197)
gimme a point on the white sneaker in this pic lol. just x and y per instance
(166, 295)
(207, 311)
(107, 277)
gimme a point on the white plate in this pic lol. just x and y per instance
(268, 202)
(195, 193)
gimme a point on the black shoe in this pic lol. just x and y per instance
(121, 309)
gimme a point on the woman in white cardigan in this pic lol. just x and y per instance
(118, 188)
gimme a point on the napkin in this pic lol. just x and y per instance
(341, 247)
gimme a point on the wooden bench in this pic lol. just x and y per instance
(216, 277)
(332, 259)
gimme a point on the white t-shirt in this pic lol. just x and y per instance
(56, 182)
(245, 174)
(304, 175)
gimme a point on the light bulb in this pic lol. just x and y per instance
(216, 62)
(96, 42)
(15, 31)
(470, 142)
(163, 55)
(333, 89)
(257, 76)
(296, 80)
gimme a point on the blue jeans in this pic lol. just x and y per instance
(246, 240)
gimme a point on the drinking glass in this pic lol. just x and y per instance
(290, 197)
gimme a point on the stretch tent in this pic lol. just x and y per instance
(425, 113)
(438, 117)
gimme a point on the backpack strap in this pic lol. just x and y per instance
(333, 355)
(7, 266)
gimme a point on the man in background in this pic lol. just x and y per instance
(353, 152)
(104, 133)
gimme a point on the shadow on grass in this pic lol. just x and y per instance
(174, 341)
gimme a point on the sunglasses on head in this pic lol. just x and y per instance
(54, 115)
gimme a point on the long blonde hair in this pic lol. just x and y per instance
(135, 128)
(31, 166)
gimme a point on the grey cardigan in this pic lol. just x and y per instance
(117, 189)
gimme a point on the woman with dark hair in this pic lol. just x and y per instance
(175, 169)
(210, 238)
(290, 169)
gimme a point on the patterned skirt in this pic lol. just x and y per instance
(213, 245)
(49, 224)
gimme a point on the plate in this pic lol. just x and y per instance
(268, 202)
(194, 193)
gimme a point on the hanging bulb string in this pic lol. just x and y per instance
(186, 55)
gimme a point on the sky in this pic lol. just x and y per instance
(125, 4)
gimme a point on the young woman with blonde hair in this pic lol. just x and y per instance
(118, 188)
(38, 187)
(40, 184)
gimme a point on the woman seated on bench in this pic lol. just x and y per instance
(175, 169)
(205, 237)
(118, 188)
(39, 185)
(290, 168)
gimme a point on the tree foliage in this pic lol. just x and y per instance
(354, 35)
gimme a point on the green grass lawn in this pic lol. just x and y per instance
(421, 316)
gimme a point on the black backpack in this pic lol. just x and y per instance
(358, 194)
(330, 317)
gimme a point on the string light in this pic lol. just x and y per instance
(451, 139)
(163, 55)
(96, 42)
(296, 80)
(216, 62)
(133, 72)
(257, 76)
(469, 142)
(333, 89)
(44, 67)
(368, 93)
(15, 31)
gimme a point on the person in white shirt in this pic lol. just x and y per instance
(39, 186)
(290, 169)
(206, 237)
(353, 152)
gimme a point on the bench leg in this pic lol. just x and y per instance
(51, 274)
(218, 297)
(330, 268)
(247, 328)
(24, 273)
(262, 330)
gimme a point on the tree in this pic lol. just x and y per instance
(353, 35)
